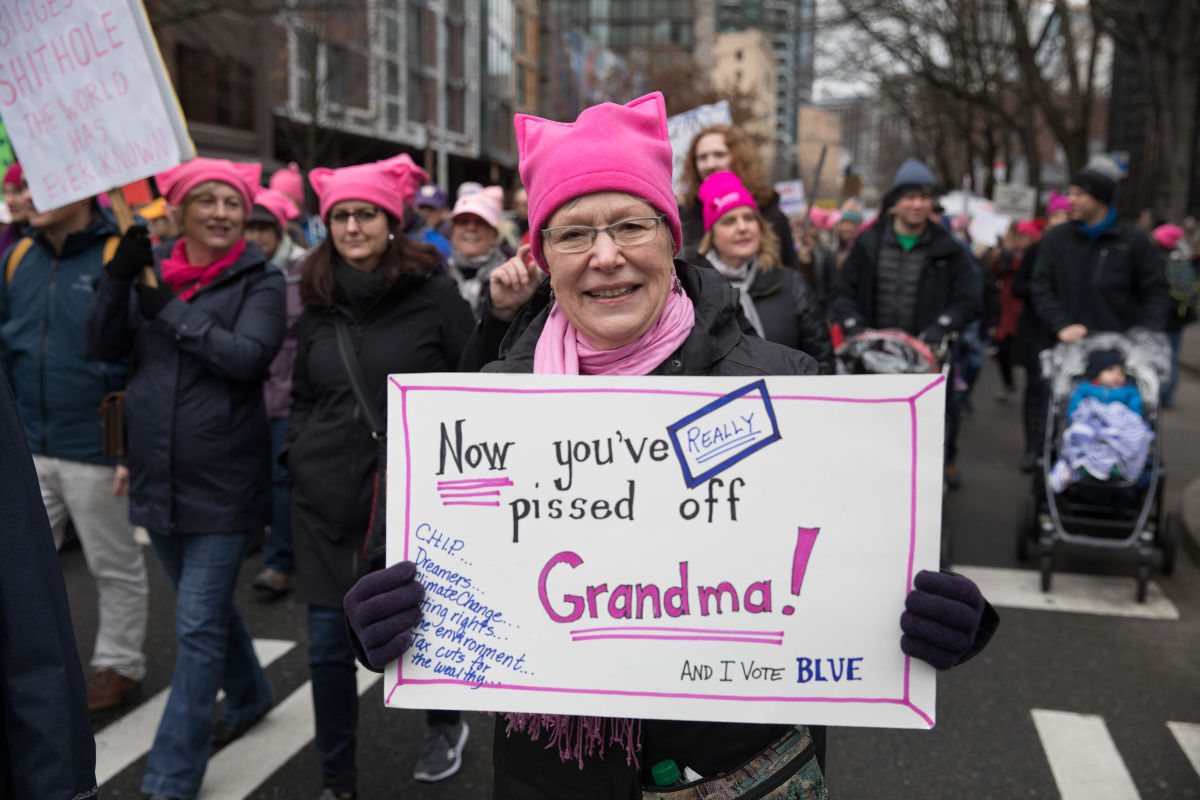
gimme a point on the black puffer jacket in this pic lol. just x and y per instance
(948, 295)
(199, 445)
(419, 324)
(789, 311)
(1111, 283)
(717, 346)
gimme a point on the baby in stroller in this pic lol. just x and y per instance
(1106, 437)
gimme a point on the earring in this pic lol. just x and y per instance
(551, 294)
(678, 288)
(391, 237)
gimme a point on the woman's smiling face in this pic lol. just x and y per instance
(611, 294)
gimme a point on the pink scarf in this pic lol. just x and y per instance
(562, 350)
(179, 273)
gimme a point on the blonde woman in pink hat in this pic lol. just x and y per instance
(606, 229)
(198, 444)
(376, 302)
(475, 242)
(739, 244)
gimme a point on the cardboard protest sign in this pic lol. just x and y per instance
(988, 227)
(1015, 201)
(791, 197)
(682, 128)
(85, 97)
(731, 549)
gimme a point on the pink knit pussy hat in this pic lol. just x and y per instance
(278, 203)
(609, 148)
(1168, 236)
(1057, 202)
(390, 184)
(721, 192)
(289, 181)
(487, 204)
(175, 183)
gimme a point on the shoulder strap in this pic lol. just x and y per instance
(357, 381)
(110, 249)
(15, 255)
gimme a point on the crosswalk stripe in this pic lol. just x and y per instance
(1187, 734)
(1081, 594)
(1083, 756)
(129, 738)
(240, 768)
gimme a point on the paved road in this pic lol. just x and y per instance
(1081, 695)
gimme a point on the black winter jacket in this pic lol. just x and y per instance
(1032, 336)
(199, 445)
(1112, 283)
(420, 324)
(789, 312)
(716, 346)
(948, 296)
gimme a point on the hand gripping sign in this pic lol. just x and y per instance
(722, 549)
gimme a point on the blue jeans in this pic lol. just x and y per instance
(214, 652)
(1168, 391)
(279, 542)
(335, 695)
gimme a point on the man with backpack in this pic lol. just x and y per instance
(49, 279)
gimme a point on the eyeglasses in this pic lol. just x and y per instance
(580, 238)
(361, 215)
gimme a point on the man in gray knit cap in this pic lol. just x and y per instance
(1097, 273)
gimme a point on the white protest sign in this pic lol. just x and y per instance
(1014, 200)
(682, 128)
(988, 227)
(791, 197)
(726, 549)
(85, 97)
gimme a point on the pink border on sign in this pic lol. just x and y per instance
(904, 700)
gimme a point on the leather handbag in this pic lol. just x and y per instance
(112, 425)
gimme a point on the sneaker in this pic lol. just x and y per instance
(272, 584)
(952, 478)
(442, 755)
(333, 794)
(109, 689)
(224, 732)
(1029, 462)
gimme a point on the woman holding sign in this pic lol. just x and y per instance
(199, 446)
(607, 228)
(375, 302)
(739, 244)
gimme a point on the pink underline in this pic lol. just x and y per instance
(448, 496)
(670, 630)
(488, 390)
(407, 467)
(467, 503)
(940, 378)
(474, 483)
(676, 638)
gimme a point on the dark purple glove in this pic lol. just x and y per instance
(943, 616)
(152, 299)
(382, 609)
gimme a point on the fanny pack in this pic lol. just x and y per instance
(786, 769)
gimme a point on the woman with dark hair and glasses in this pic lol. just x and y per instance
(400, 313)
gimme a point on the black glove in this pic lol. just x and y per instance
(382, 609)
(942, 620)
(132, 254)
(152, 299)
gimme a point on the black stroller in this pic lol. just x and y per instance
(894, 352)
(1115, 514)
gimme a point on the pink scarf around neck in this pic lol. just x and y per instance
(177, 272)
(563, 350)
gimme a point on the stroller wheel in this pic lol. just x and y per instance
(1143, 580)
(1026, 528)
(1047, 569)
(1166, 538)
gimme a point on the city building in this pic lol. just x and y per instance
(744, 64)
(820, 147)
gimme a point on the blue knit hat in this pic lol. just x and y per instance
(913, 174)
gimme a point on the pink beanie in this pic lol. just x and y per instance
(176, 182)
(1057, 202)
(608, 148)
(1029, 228)
(1168, 236)
(278, 203)
(721, 192)
(14, 175)
(289, 181)
(390, 184)
(485, 204)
